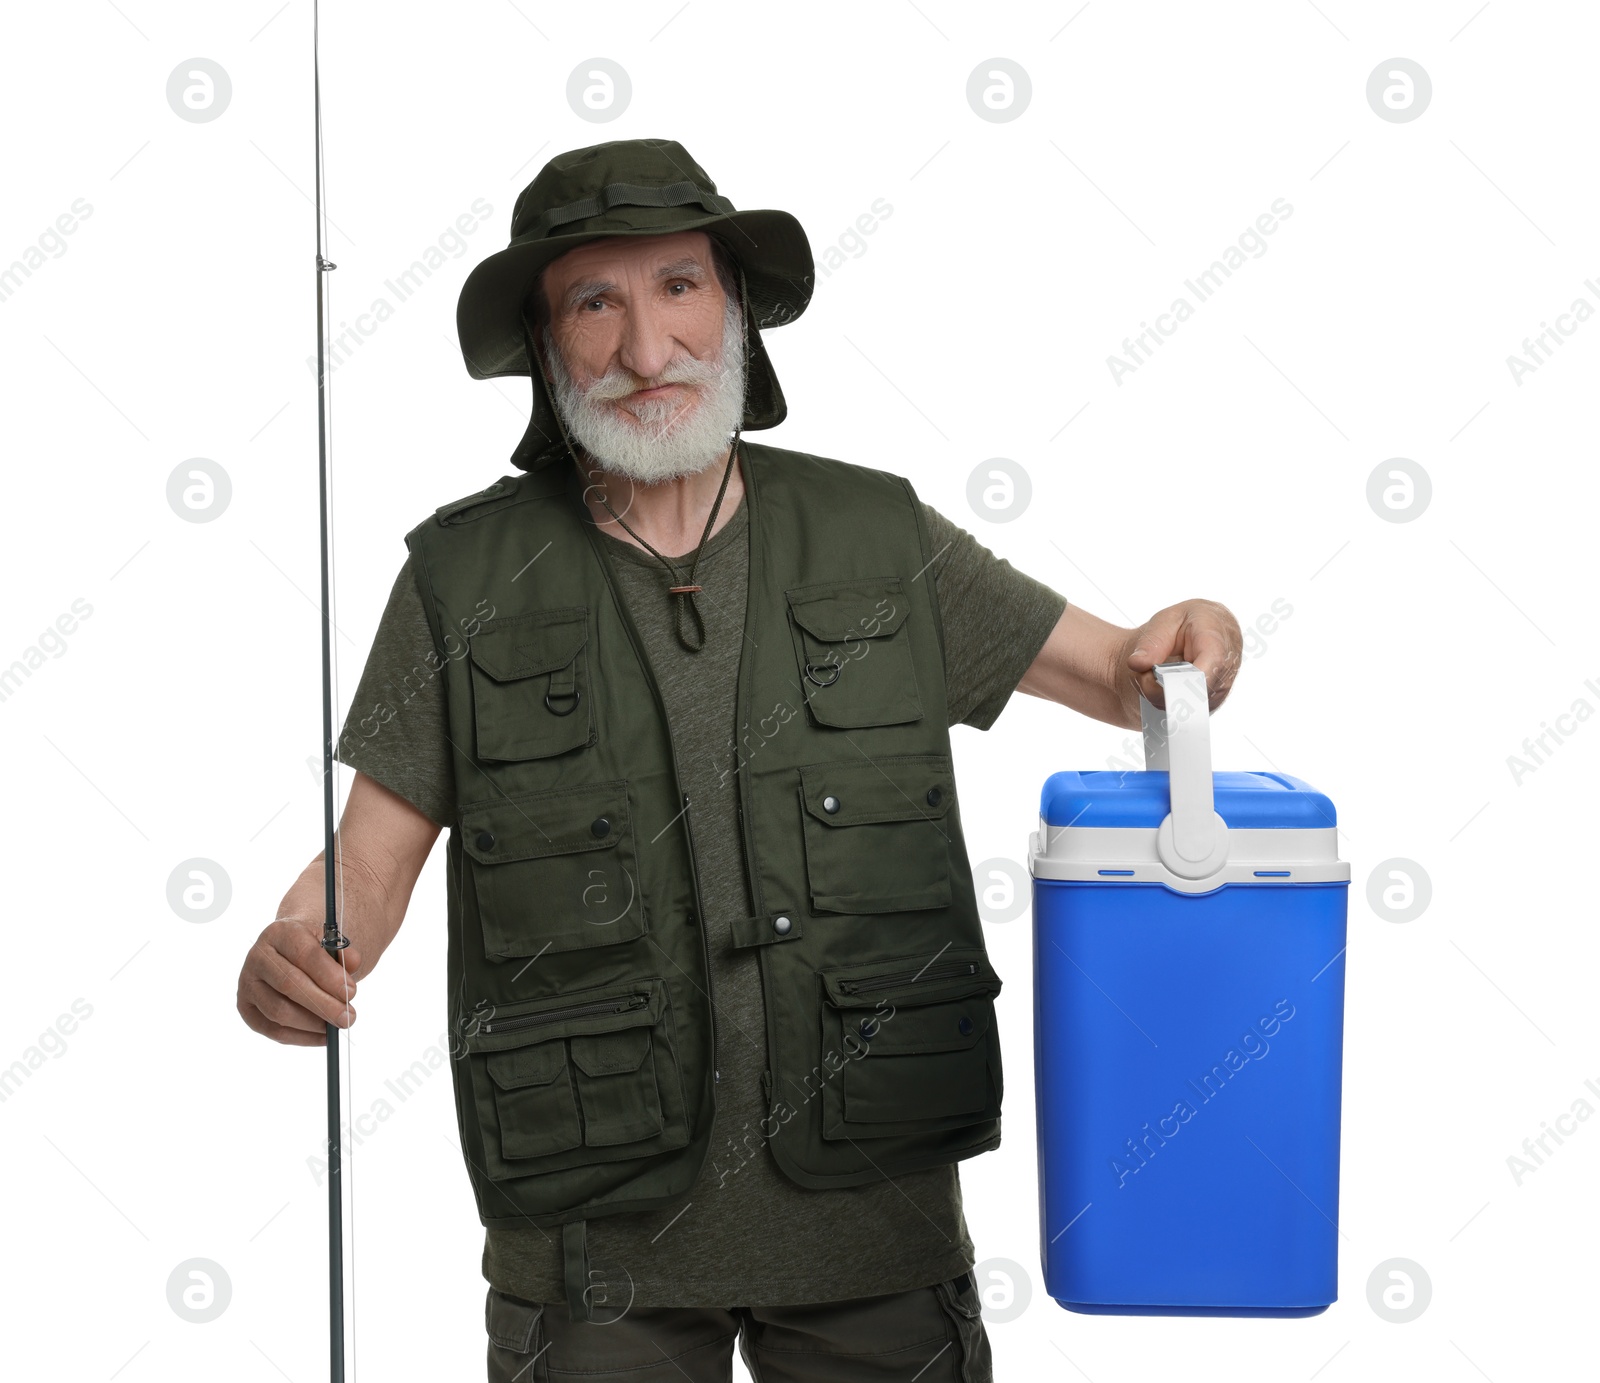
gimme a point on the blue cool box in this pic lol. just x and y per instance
(1189, 931)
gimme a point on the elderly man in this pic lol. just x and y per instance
(724, 1019)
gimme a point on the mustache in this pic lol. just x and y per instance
(619, 381)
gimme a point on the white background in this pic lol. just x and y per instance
(975, 322)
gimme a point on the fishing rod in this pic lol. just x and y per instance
(333, 940)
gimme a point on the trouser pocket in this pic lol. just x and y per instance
(516, 1339)
(959, 1300)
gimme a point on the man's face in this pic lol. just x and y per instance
(648, 359)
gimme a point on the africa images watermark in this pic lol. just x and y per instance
(352, 336)
(52, 641)
(403, 1086)
(1256, 635)
(831, 667)
(833, 1062)
(851, 242)
(411, 684)
(50, 1044)
(51, 242)
(779, 716)
(1562, 1127)
(1138, 349)
(1537, 350)
(1537, 749)
(1138, 1151)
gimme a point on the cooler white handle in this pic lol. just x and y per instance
(1193, 839)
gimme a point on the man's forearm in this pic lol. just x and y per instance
(367, 912)
(1101, 669)
(383, 843)
(1083, 664)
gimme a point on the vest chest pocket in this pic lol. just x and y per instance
(530, 685)
(586, 1077)
(875, 833)
(917, 1042)
(854, 652)
(554, 871)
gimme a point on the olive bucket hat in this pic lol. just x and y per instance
(626, 187)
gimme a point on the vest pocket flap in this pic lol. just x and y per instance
(853, 651)
(525, 1066)
(844, 610)
(905, 788)
(950, 1026)
(611, 1053)
(592, 817)
(527, 645)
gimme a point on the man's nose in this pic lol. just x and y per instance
(647, 341)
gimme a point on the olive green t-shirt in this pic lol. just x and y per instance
(749, 1236)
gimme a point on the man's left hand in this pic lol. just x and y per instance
(1201, 632)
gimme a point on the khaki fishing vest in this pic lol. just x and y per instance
(585, 1038)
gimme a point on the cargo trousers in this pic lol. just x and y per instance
(931, 1334)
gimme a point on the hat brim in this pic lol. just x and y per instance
(771, 247)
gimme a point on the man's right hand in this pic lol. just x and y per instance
(290, 986)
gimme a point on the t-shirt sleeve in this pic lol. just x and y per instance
(396, 731)
(996, 619)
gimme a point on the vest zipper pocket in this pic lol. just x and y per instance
(552, 1015)
(564, 1083)
(918, 1052)
(928, 972)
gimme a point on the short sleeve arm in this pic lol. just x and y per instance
(996, 619)
(396, 732)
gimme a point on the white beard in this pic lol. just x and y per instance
(658, 439)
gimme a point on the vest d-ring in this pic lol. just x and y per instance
(577, 695)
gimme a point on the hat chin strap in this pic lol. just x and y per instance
(536, 360)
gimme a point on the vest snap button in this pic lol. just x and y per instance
(965, 1024)
(485, 840)
(601, 826)
(934, 796)
(869, 1027)
(830, 805)
(782, 925)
